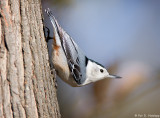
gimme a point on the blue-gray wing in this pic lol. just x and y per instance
(72, 56)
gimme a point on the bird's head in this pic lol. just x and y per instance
(95, 72)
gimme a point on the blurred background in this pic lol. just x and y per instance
(124, 36)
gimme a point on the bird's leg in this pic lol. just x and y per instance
(47, 37)
(53, 72)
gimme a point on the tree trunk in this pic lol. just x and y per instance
(27, 88)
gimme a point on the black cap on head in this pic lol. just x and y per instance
(96, 63)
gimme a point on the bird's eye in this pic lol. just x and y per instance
(101, 70)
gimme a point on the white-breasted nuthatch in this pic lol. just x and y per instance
(70, 63)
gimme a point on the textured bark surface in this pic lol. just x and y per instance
(27, 88)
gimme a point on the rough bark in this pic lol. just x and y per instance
(27, 88)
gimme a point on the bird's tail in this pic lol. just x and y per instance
(52, 18)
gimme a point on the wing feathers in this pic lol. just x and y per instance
(70, 49)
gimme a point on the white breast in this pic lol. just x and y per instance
(61, 65)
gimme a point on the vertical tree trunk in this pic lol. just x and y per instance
(27, 88)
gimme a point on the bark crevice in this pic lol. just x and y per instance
(27, 86)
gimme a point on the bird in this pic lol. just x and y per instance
(69, 61)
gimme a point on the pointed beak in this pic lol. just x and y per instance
(114, 76)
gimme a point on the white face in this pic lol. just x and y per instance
(95, 72)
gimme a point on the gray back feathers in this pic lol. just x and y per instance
(75, 58)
